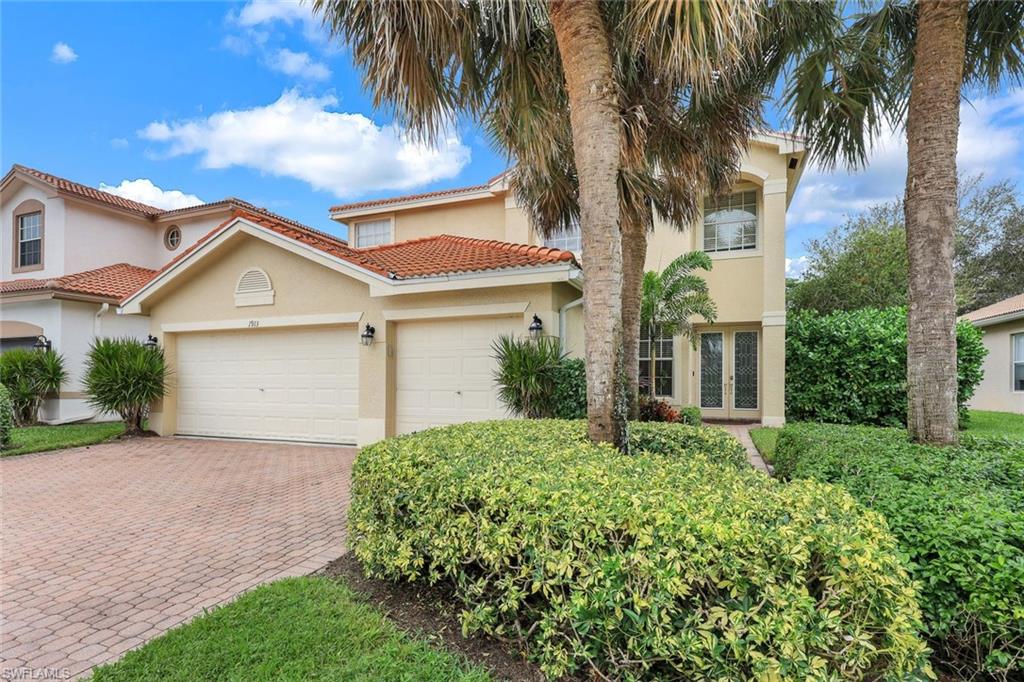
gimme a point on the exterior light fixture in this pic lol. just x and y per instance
(151, 342)
(366, 338)
(42, 343)
(536, 328)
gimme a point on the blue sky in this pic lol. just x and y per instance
(172, 103)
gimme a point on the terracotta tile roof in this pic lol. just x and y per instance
(1009, 306)
(438, 255)
(151, 212)
(387, 201)
(113, 281)
(86, 192)
(446, 254)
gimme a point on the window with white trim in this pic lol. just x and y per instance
(1017, 342)
(30, 239)
(663, 364)
(372, 233)
(730, 224)
(566, 240)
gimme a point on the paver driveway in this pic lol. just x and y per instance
(106, 547)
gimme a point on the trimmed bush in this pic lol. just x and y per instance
(851, 367)
(6, 416)
(690, 414)
(958, 514)
(570, 389)
(655, 410)
(125, 376)
(30, 376)
(678, 564)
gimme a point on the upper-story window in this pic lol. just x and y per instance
(28, 236)
(372, 233)
(172, 237)
(566, 240)
(730, 224)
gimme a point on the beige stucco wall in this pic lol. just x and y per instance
(995, 392)
(205, 294)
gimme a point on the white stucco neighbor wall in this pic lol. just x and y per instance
(71, 327)
(192, 229)
(995, 392)
(97, 237)
(53, 232)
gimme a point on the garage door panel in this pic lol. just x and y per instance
(445, 371)
(308, 377)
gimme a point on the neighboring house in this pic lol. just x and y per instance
(1002, 388)
(70, 253)
(278, 332)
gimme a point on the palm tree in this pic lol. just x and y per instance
(518, 67)
(906, 64)
(671, 299)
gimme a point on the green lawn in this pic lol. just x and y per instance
(293, 629)
(764, 440)
(40, 438)
(1005, 424)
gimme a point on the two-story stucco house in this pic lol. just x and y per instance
(275, 331)
(69, 253)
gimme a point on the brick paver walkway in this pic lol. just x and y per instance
(104, 548)
(741, 432)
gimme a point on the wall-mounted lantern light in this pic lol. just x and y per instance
(536, 328)
(151, 342)
(366, 338)
(42, 343)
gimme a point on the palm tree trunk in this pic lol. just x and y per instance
(596, 134)
(634, 256)
(933, 123)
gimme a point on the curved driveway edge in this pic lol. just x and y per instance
(106, 547)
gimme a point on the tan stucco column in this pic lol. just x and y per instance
(773, 319)
(376, 379)
(163, 414)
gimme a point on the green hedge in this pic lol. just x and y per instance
(958, 514)
(6, 416)
(679, 565)
(851, 367)
(570, 389)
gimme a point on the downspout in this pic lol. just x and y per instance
(561, 320)
(97, 324)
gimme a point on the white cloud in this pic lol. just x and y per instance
(261, 12)
(990, 142)
(796, 267)
(298, 137)
(63, 54)
(145, 191)
(298, 64)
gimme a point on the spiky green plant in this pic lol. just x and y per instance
(6, 417)
(526, 374)
(30, 376)
(125, 376)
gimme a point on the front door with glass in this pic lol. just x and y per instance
(728, 374)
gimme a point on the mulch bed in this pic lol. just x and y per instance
(428, 612)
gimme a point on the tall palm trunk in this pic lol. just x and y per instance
(933, 123)
(585, 51)
(634, 255)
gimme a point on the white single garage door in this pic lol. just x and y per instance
(276, 384)
(444, 371)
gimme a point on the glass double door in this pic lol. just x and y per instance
(728, 374)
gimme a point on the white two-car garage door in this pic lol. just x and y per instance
(444, 371)
(277, 384)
